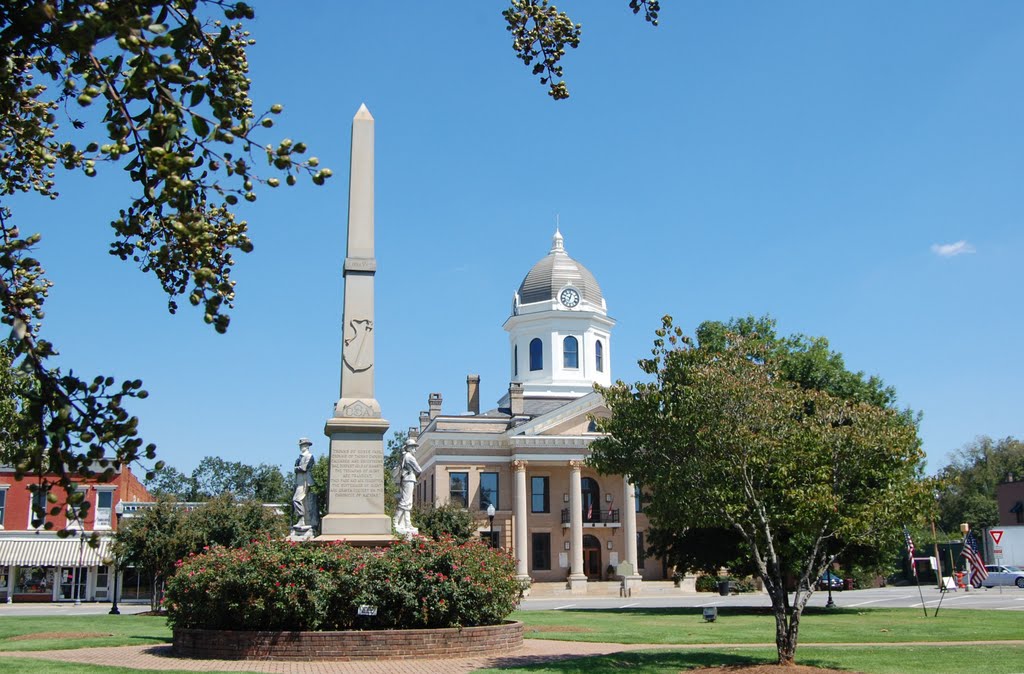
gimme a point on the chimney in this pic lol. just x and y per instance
(434, 404)
(424, 420)
(515, 398)
(413, 433)
(473, 393)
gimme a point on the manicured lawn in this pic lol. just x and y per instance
(53, 632)
(849, 626)
(888, 660)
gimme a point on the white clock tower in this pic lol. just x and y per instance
(559, 330)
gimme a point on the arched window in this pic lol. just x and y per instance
(536, 355)
(515, 360)
(570, 353)
(599, 355)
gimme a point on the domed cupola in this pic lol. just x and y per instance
(561, 280)
(559, 330)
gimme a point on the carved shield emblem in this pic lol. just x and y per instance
(358, 354)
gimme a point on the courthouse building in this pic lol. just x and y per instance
(562, 519)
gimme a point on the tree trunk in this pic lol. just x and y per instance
(787, 624)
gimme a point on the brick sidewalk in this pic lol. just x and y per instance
(159, 657)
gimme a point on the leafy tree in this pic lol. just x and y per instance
(445, 520)
(172, 483)
(392, 460)
(968, 483)
(152, 543)
(161, 535)
(160, 89)
(215, 476)
(722, 439)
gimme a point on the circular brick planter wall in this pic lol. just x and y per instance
(351, 645)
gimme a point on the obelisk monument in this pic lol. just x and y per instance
(355, 501)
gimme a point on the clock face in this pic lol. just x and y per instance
(569, 297)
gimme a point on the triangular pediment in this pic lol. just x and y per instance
(571, 419)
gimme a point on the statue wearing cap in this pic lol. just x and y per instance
(408, 472)
(304, 500)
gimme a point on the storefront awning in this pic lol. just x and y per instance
(53, 552)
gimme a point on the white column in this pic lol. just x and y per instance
(577, 579)
(520, 525)
(631, 580)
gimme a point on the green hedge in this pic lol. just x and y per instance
(710, 583)
(277, 585)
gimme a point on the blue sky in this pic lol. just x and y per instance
(818, 162)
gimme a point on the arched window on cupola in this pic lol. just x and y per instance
(515, 360)
(536, 354)
(570, 353)
(599, 355)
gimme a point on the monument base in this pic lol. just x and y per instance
(356, 529)
(301, 532)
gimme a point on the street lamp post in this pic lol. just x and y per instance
(964, 529)
(78, 570)
(828, 580)
(490, 517)
(118, 511)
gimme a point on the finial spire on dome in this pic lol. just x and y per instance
(556, 240)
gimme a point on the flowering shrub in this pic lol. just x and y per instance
(279, 585)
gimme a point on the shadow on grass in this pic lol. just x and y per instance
(647, 661)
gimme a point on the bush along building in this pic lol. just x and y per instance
(38, 566)
(562, 520)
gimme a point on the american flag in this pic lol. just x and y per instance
(910, 550)
(970, 551)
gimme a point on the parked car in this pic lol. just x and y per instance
(830, 579)
(1004, 575)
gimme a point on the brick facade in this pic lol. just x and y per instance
(349, 645)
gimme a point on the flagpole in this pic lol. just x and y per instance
(920, 592)
(913, 566)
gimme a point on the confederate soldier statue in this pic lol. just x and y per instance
(408, 472)
(304, 500)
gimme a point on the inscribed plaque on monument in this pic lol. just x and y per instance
(357, 474)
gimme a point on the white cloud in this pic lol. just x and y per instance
(952, 249)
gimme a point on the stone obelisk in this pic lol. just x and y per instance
(355, 502)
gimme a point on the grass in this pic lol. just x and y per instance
(888, 660)
(751, 626)
(82, 631)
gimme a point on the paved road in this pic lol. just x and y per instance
(66, 609)
(1007, 599)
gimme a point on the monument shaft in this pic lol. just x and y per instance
(355, 504)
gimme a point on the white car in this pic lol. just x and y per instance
(1004, 575)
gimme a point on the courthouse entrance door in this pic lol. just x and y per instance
(592, 557)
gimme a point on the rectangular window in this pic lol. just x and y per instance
(639, 500)
(488, 490)
(432, 493)
(37, 513)
(102, 577)
(3, 506)
(541, 552)
(104, 508)
(490, 537)
(640, 549)
(539, 496)
(458, 489)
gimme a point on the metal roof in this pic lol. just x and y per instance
(53, 552)
(555, 271)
